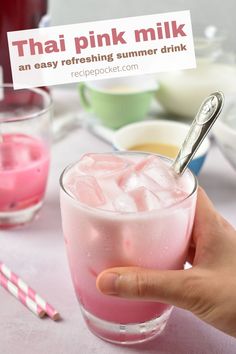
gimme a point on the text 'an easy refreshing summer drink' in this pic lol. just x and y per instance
(124, 209)
(24, 163)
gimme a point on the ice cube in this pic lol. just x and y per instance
(129, 180)
(166, 198)
(157, 170)
(110, 189)
(87, 191)
(36, 152)
(141, 164)
(145, 199)
(132, 179)
(109, 186)
(9, 156)
(185, 183)
(7, 183)
(125, 204)
(70, 177)
(85, 164)
(99, 164)
(23, 155)
(171, 197)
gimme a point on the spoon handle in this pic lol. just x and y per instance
(202, 123)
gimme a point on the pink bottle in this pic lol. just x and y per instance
(17, 15)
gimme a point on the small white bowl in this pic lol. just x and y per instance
(225, 136)
(159, 131)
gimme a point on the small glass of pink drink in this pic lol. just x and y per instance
(124, 209)
(25, 117)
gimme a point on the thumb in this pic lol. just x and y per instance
(176, 287)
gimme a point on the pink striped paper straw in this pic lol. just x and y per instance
(15, 279)
(21, 296)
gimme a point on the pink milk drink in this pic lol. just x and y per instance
(24, 163)
(25, 117)
(124, 209)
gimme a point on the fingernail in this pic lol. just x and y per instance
(107, 283)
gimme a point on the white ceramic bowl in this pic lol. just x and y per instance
(159, 131)
(225, 136)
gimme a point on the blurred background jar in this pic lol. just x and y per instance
(18, 15)
(181, 92)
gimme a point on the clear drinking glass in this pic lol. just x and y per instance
(98, 239)
(25, 120)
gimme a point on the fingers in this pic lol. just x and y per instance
(203, 201)
(207, 220)
(204, 216)
(179, 287)
(172, 287)
(191, 253)
(205, 208)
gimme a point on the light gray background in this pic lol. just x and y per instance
(214, 12)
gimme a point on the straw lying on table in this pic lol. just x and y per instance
(17, 287)
(21, 296)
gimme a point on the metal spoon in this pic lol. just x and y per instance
(202, 123)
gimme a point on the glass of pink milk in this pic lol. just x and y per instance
(124, 209)
(24, 153)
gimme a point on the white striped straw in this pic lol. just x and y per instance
(21, 296)
(15, 279)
